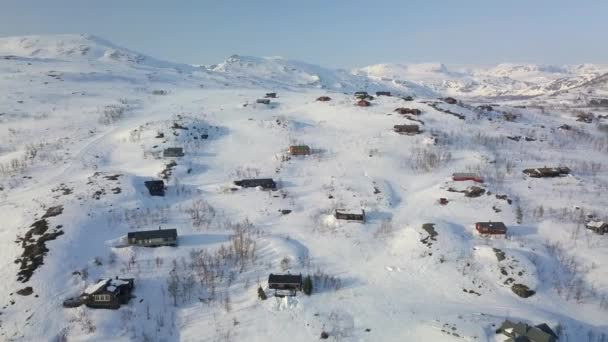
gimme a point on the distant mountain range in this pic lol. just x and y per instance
(427, 79)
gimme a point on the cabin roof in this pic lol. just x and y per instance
(492, 225)
(96, 287)
(285, 279)
(465, 175)
(153, 234)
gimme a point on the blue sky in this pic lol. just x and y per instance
(332, 33)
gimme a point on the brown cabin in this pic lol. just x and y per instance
(363, 103)
(341, 214)
(491, 228)
(407, 129)
(324, 98)
(403, 111)
(462, 176)
(299, 150)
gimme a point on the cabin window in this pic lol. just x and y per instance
(101, 297)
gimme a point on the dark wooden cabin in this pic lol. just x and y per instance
(263, 101)
(155, 187)
(403, 111)
(271, 95)
(285, 284)
(407, 98)
(450, 100)
(383, 93)
(407, 129)
(341, 214)
(525, 333)
(153, 238)
(173, 152)
(108, 293)
(299, 150)
(265, 183)
(597, 226)
(491, 228)
(324, 98)
(547, 172)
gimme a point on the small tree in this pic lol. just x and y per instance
(307, 285)
(261, 293)
(519, 214)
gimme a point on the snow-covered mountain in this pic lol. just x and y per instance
(84, 124)
(503, 80)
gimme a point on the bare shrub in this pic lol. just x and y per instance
(201, 213)
(426, 159)
(111, 113)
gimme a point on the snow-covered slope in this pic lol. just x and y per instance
(503, 80)
(81, 132)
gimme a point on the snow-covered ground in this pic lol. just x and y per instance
(79, 134)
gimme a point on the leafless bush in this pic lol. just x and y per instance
(201, 213)
(247, 172)
(426, 159)
(159, 92)
(324, 281)
(111, 113)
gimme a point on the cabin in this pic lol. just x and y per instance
(491, 228)
(271, 95)
(486, 108)
(108, 293)
(173, 152)
(450, 100)
(341, 214)
(285, 284)
(155, 187)
(523, 332)
(509, 116)
(403, 111)
(599, 227)
(407, 129)
(547, 172)
(299, 150)
(263, 101)
(264, 183)
(407, 98)
(584, 117)
(153, 238)
(443, 201)
(383, 93)
(361, 94)
(363, 103)
(464, 176)
(324, 98)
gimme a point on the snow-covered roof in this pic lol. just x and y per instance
(94, 288)
(596, 224)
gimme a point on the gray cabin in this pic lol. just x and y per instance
(263, 101)
(383, 93)
(341, 214)
(285, 284)
(173, 152)
(407, 129)
(271, 95)
(361, 94)
(522, 332)
(264, 183)
(155, 187)
(153, 238)
(108, 293)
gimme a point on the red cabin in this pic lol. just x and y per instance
(459, 177)
(491, 228)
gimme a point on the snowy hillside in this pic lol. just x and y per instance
(503, 80)
(84, 124)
